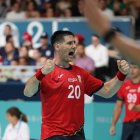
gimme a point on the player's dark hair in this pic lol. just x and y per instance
(58, 36)
(14, 111)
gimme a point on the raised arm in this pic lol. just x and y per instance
(100, 23)
(32, 84)
(112, 86)
(116, 116)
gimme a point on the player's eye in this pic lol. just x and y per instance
(71, 43)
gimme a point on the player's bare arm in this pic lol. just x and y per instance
(112, 86)
(32, 84)
(116, 116)
(101, 24)
(127, 46)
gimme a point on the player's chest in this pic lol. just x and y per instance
(132, 94)
(64, 80)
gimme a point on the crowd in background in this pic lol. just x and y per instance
(18, 9)
(96, 58)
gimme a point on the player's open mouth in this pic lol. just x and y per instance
(71, 53)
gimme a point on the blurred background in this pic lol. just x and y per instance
(25, 30)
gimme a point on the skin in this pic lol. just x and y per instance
(63, 59)
(12, 119)
(101, 24)
(135, 78)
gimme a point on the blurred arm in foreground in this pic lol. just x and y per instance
(100, 23)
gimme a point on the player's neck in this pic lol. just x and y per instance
(61, 64)
(136, 80)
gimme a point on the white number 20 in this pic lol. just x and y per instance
(75, 92)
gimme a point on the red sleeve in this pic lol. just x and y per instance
(120, 93)
(92, 84)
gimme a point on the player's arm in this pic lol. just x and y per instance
(134, 107)
(112, 86)
(32, 84)
(101, 24)
(116, 116)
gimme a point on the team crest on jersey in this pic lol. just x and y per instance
(79, 78)
(128, 87)
(138, 89)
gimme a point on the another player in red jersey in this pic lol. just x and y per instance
(129, 94)
(62, 88)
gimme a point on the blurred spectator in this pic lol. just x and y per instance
(9, 33)
(124, 12)
(8, 53)
(1, 60)
(25, 73)
(31, 10)
(118, 7)
(41, 61)
(3, 8)
(15, 13)
(134, 10)
(82, 60)
(106, 11)
(45, 48)
(46, 5)
(67, 13)
(12, 74)
(74, 7)
(61, 5)
(9, 38)
(35, 54)
(14, 62)
(99, 54)
(23, 61)
(27, 40)
(17, 129)
(24, 53)
(49, 13)
(79, 39)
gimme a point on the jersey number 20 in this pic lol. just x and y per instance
(75, 92)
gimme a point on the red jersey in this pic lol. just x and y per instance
(130, 93)
(62, 94)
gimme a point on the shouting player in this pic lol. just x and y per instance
(62, 88)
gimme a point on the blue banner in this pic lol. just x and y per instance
(37, 27)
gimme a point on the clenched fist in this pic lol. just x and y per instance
(48, 67)
(123, 66)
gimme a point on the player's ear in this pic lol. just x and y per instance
(57, 46)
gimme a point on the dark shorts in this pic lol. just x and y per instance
(78, 136)
(131, 131)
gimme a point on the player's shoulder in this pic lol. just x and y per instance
(77, 68)
(126, 82)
